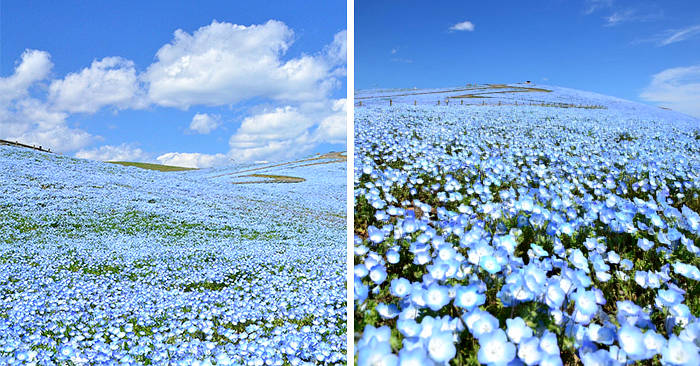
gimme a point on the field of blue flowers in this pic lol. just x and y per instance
(105, 264)
(502, 226)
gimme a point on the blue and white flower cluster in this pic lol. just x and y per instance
(104, 264)
(535, 235)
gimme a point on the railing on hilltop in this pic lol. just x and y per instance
(16, 143)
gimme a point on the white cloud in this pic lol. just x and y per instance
(286, 133)
(463, 26)
(333, 128)
(337, 52)
(679, 35)
(193, 160)
(204, 123)
(278, 134)
(677, 88)
(619, 17)
(593, 5)
(33, 67)
(123, 152)
(110, 81)
(29, 120)
(224, 63)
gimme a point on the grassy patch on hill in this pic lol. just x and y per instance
(158, 167)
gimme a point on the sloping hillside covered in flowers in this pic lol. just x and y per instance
(104, 263)
(515, 224)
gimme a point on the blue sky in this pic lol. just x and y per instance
(638, 50)
(176, 82)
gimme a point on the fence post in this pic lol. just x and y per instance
(390, 102)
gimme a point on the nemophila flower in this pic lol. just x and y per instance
(554, 295)
(376, 353)
(387, 311)
(687, 270)
(485, 324)
(548, 343)
(468, 297)
(441, 346)
(691, 333)
(517, 329)
(361, 290)
(538, 251)
(630, 339)
(414, 357)
(653, 343)
(529, 351)
(681, 314)
(551, 360)
(375, 235)
(409, 225)
(408, 327)
(393, 256)
(668, 298)
(400, 287)
(494, 349)
(626, 264)
(600, 357)
(436, 297)
(586, 305)
(490, 264)
(601, 334)
(679, 352)
(372, 334)
(377, 274)
(579, 260)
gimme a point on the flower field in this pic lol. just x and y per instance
(503, 226)
(106, 264)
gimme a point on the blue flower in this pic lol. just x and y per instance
(517, 329)
(630, 339)
(468, 297)
(375, 235)
(441, 346)
(400, 287)
(529, 350)
(414, 357)
(679, 352)
(376, 353)
(494, 349)
(485, 324)
(490, 264)
(600, 357)
(436, 297)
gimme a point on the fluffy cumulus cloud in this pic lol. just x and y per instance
(193, 160)
(224, 63)
(333, 128)
(123, 152)
(463, 26)
(30, 120)
(277, 134)
(111, 81)
(677, 88)
(287, 132)
(203, 123)
(220, 64)
(34, 66)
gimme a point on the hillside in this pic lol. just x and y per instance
(101, 261)
(523, 224)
